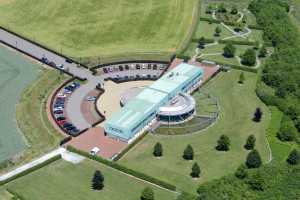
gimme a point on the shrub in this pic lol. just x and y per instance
(241, 172)
(218, 31)
(256, 182)
(294, 157)
(223, 143)
(158, 150)
(188, 153)
(263, 52)
(250, 143)
(234, 10)
(195, 171)
(229, 50)
(249, 57)
(147, 194)
(257, 115)
(253, 159)
(241, 78)
(287, 131)
(97, 181)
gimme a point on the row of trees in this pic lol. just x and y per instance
(221, 8)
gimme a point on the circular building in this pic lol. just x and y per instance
(178, 110)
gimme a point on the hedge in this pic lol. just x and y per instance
(239, 42)
(244, 68)
(215, 21)
(206, 40)
(256, 27)
(124, 169)
(28, 171)
(120, 155)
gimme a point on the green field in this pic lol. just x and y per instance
(237, 104)
(15, 74)
(64, 181)
(32, 117)
(99, 27)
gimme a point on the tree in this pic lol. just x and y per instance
(188, 153)
(287, 131)
(256, 182)
(263, 52)
(249, 57)
(223, 143)
(158, 150)
(257, 115)
(209, 9)
(97, 182)
(195, 171)
(229, 50)
(147, 194)
(253, 159)
(241, 78)
(201, 43)
(241, 172)
(234, 10)
(222, 8)
(294, 157)
(250, 143)
(218, 30)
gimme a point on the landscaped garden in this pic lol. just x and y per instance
(237, 104)
(102, 29)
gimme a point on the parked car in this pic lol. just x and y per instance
(52, 64)
(67, 124)
(45, 60)
(69, 128)
(75, 132)
(90, 98)
(69, 60)
(61, 66)
(61, 95)
(58, 112)
(58, 108)
(61, 122)
(94, 151)
(60, 119)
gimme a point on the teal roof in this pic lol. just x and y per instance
(151, 98)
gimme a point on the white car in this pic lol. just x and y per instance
(61, 95)
(91, 98)
(58, 108)
(94, 151)
(67, 92)
(61, 66)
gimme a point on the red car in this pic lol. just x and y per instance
(61, 122)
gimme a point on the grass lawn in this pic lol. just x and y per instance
(207, 30)
(65, 181)
(99, 27)
(15, 74)
(237, 104)
(5, 195)
(280, 150)
(32, 117)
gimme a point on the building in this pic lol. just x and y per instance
(139, 112)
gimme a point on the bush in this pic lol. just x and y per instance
(249, 57)
(257, 115)
(241, 78)
(158, 150)
(287, 131)
(188, 153)
(97, 181)
(241, 172)
(256, 182)
(147, 194)
(253, 159)
(235, 42)
(229, 50)
(218, 31)
(223, 143)
(294, 157)
(195, 171)
(250, 143)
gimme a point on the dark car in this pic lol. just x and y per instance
(52, 64)
(60, 119)
(67, 124)
(45, 60)
(138, 66)
(75, 132)
(69, 60)
(58, 112)
(70, 128)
